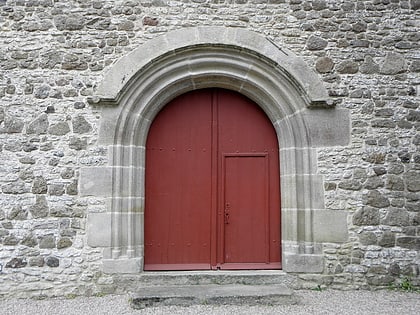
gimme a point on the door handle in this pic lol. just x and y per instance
(227, 210)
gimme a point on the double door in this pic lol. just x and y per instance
(212, 185)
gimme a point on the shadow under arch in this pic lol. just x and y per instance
(138, 86)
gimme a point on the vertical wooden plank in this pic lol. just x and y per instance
(178, 185)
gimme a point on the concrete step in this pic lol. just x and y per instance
(213, 294)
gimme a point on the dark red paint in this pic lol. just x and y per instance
(212, 185)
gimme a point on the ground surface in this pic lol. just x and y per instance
(311, 302)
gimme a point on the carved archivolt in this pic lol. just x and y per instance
(141, 83)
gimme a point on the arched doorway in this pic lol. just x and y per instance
(294, 98)
(212, 185)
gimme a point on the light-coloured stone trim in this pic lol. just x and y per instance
(140, 84)
(128, 68)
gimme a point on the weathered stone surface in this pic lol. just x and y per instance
(379, 170)
(409, 242)
(50, 59)
(72, 188)
(17, 187)
(16, 263)
(42, 91)
(150, 21)
(79, 105)
(36, 261)
(39, 185)
(359, 26)
(394, 63)
(412, 180)
(26, 174)
(39, 125)
(394, 270)
(377, 199)
(387, 239)
(413, 115)
(330, 186)
(10, 240)
(347, 67)
(396, 168)
(47, 241)
(366, 216)
(416, 218)
(59, 129)
(66, 212)
(73, 62)
(17, 213)
(324, 65)
(29, 241)
(70, 22)
(373, 183)
(319, 5)
(27, 160)
(379, 270)
(3, 233)
(28, 147)
(379, 280)
(395, 216)
(350, 184)
(77, 143)
(368, 238)
(413, 206)
(80, 125)
(52, 261)
(415, 66)
(56, 189)
(64, 243)
(394, 182)
(11, 125)
(316, 43)
(67, 173)
(40, 209)
(126, 26)
(415, 4)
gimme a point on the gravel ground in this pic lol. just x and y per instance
(311, 302)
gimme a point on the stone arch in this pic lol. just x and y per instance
(141, 83)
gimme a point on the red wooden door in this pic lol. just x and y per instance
(212, 185)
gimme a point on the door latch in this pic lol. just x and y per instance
(227, 210)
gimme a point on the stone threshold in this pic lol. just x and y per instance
(213, 294)
(201, 277)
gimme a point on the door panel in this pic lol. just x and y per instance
(206, 150)
(178, 190)
(244, 129)
(246, 209)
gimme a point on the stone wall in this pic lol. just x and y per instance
(54, 53)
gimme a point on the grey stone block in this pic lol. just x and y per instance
(96, 181)
(302, 192)
(132, 265)
(99, 229)
(303, 263)
(366, 216)
(327, 127)
(330, 226)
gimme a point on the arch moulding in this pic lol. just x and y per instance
(293, 97)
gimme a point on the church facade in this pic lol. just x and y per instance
(152, 135)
